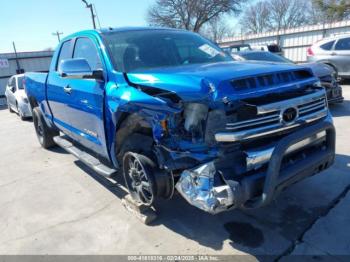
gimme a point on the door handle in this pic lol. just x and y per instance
(333, 53)
(67, 89)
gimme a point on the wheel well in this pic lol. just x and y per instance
(132, 124)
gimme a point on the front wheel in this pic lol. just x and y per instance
(20, 113)
(138, 174)
(44, 133)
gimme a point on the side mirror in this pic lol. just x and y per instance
(78, 68)
(12, 89)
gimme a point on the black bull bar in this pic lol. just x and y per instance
(275, 179)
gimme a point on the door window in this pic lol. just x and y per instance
(65, 53)
(343, 44)
(327, 46)
(13, 84)
(85, 48)
(9, 83)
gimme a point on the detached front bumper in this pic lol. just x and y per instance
(199, 186)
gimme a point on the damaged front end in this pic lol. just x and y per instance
(214, 187)
(201, 188)
(262, 147)
(237, 150)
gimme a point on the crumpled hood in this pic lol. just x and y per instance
(196, 82)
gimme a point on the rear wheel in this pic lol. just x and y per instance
(9, 107)
(44, 133)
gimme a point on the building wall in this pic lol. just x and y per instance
(294, 41)
(28, 61)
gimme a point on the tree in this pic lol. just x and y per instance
(275, 15)
(288, 13)
(333, 10)
(256, 18)
(217, 29)
(190, 14)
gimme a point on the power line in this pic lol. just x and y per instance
(57, 33)
(98, 19)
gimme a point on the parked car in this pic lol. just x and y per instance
(333, 51)
(16, 97)
(273, 48)
(224, 134)
(237, 48)
(324, 72)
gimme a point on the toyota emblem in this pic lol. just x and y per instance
(289, 115)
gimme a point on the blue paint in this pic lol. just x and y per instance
(93, 112)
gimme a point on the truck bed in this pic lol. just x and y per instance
(35, 85)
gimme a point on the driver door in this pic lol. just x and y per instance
(85, 101)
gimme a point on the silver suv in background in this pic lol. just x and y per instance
(333, 51)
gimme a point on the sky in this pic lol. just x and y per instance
(30, 23)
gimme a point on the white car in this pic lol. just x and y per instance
(16, 97)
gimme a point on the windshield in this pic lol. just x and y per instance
(138, 50)
(265, 56)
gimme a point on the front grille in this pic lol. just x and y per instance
(264, 120)
(267, 80)
(270, 118)
(312, 107)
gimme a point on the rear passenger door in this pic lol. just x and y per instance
(86, 100)
(341, 55)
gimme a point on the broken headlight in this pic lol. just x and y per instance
(195, 117)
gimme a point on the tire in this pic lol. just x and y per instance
(138, 173)
(20, 113)
(44, 133)
(161, 183)
(9, 107)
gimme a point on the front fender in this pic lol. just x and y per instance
(125, 100)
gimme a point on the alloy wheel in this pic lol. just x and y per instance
(137, 177)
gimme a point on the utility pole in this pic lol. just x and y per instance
(19, 70)
(92, 12)
(57, 33)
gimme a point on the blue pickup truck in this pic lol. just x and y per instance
(169, 110)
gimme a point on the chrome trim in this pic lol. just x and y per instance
(304, 107)
(309, 108)
(266, 130)
(253, 122)
(256, 158)
(291, 102)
